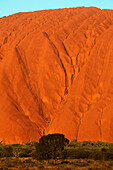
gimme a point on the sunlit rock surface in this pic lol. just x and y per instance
(56, 75)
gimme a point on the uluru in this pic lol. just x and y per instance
(56, 75)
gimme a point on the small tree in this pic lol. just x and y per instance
(50, 145)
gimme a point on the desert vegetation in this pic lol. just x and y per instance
(55, 152)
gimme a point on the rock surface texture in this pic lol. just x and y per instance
(56, 74)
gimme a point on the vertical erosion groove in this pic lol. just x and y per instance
(63, 67)
(100, 129)
(78, 128)
(16, 104)
(72, 75)
(28, 83)
(100, 122)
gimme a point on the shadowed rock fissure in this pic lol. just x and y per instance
(100, 75)
(63, 67)
(78, 127)
(100, 129)
(28, 84)
(101, 125)
(89, 104)
(11, 94)
(72, 76)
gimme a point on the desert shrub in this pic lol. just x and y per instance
(8, 162)
(111, 145)
(25, 151)
(16, 145)
(108, 154)
(50, 145)
(73, 143)
(78, 153)
(84, 143)
(96, 155)
(100, 144)
(42, 151)
(31, 143)
(7, 151)
(63, 154)
(103, 154)
(1, 152)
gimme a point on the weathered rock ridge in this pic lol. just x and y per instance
(56, 73)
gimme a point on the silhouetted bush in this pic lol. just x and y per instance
(49, 146)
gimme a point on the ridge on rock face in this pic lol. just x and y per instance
(56, 73)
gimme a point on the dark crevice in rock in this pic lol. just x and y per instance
(77, 58)
(79, 70)
(28, 83)
(63, 67)
(5, 40)
(78, 127)
(72, 76)
(1, 58)
(100, 121)
(100, 130)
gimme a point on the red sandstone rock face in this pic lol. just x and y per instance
(56, 73)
